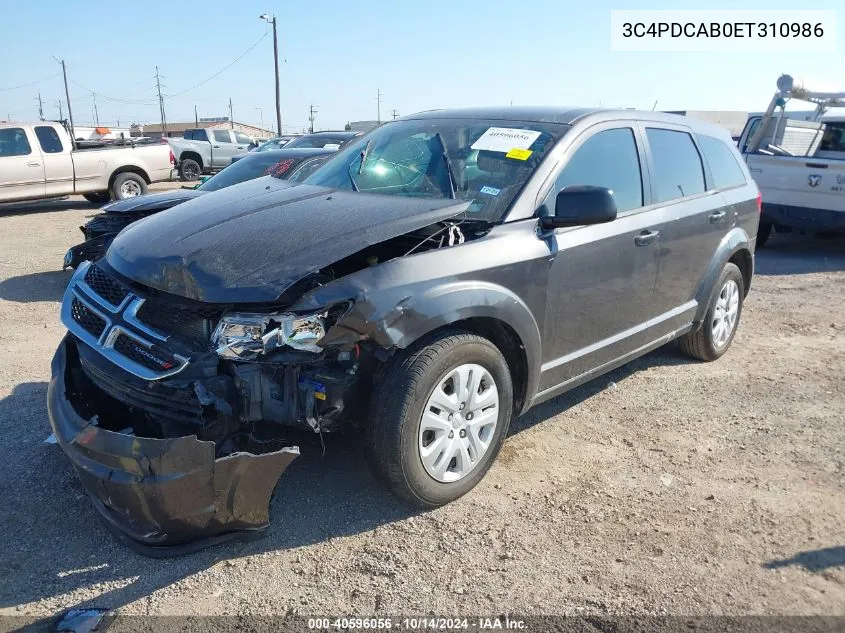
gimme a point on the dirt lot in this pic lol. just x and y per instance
(668, 486)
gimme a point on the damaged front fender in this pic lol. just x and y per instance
(162, 496)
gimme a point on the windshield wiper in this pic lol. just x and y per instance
(448, 162)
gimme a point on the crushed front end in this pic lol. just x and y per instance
(177, 414)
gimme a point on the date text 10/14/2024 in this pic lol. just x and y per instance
(420, 623)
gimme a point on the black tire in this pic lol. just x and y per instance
(189, 170)
(401, 391)
(763, 233)
(98, 197)
(130, 179)
(700, 344)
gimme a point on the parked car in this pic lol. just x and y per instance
(328, 140)
(38, 160)
(798, 165)
(274, 143)
(293, 165)
(206, 150)
(432, 280)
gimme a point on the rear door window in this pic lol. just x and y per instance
(607, 159)
(13, 142)
(49, 139)
(222, 136)
(242, 138)
(678, 171)
(722, 162)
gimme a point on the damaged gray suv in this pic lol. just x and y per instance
(434, 279)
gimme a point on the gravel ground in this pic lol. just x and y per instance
(666, 487)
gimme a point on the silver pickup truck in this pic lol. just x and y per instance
(38, 160)
(203, 151)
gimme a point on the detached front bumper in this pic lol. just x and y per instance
(163, 497)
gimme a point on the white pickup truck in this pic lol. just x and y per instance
(799, 166)
(38, 160)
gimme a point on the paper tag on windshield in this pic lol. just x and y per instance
(505, 139)
(519, 154)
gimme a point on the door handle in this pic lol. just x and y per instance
(34, 163)
(716, 217)
(646, 237)
(216, 146)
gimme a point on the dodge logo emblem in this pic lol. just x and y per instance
(814, 180)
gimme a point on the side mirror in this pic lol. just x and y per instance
(578, 205)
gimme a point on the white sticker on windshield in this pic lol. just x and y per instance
(504, 139)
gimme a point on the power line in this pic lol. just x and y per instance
(31, 83)
(227, 67)
(108, 98)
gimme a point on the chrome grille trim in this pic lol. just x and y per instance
(120, 319)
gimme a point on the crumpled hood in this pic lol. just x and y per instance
(152, 201)
(249, 242)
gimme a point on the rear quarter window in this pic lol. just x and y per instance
(678, 171)
(722, 162)
(49, 139)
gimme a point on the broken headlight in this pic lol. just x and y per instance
(241, 336)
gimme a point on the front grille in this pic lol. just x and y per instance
(124, 345)
(188, 321)
(178, 405)
(110, 223)
(89, 320)
(105, 285)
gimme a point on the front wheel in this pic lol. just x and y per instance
(128, 185)
(439, 415)
(715, 335)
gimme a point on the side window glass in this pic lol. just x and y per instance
(722, 162)
(13, 142)
(222, 136)
(242, 138)
(48, 139)
(607, 159)
(678, 171)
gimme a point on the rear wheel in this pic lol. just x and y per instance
(98, 197)
(715, 335)
(128, 185)
(440, 413)
(189, 169)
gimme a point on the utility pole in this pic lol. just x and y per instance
(40, 107)
(161, 105)
(231, 116)
(272, 20)
(67, 97)
(96, 114)
(61, 114)
(378, 105)
(196, 117)
(395, 113)
(311, 116)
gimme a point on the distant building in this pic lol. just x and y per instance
(363, 126)
(178, 129)
(732, 120)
